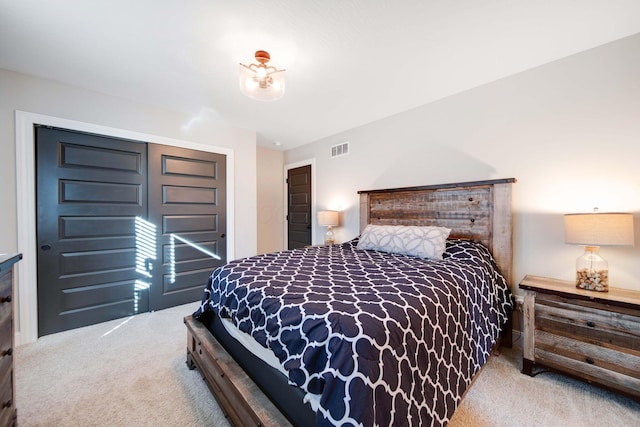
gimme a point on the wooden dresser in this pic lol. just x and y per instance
(593, 336)
(8, 415)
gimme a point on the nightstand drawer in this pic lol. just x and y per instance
(579, 320)
(586, 356)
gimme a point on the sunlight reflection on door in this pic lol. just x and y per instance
(172, 253)
(145, 253)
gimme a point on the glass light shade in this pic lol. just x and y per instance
(261, 83)
(594, 230)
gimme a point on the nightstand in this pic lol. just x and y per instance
(593, 336)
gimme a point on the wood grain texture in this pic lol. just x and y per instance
(479, 211)
(606, 328)
(583, 351)
(596, 339)
(617, 297)
(611, 380)
(242, 401)
(529, 325)
(8, 412)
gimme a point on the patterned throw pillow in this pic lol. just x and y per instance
(422, 242)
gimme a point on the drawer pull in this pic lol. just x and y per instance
(590, 361)
(7, 404)
(7, 352)
(5, 299)
(591, 324)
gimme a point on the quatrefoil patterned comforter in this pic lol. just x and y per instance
(383, 339)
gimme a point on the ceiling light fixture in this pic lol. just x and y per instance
(260, 81)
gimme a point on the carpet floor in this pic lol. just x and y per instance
(132, 372)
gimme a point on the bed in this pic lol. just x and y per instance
(357, 334)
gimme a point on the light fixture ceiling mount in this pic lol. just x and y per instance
(261, 81)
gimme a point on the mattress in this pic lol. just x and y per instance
(252, 345)
(375, 338)
(266, 355)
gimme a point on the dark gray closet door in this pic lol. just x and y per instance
(187, 206)
(90, 189)
(120, 232)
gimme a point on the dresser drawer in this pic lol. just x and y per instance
(6, 303)
(7, 405)
(6, 349)
(6, 282)
(611, 327)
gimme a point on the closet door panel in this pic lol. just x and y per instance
(90, 189)
(187, 205)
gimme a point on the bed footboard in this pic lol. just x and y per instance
(243, 403)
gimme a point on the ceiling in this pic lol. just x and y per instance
(348, 62)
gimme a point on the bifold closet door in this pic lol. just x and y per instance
(90, 190)
(187, 208)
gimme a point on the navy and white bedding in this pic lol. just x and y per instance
(383, 339)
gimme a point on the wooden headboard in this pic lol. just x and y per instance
(479, 211)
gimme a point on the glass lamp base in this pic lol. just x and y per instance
(329, 239)
(592, 271)
(592, 280)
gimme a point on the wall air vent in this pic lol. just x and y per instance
(341, 149)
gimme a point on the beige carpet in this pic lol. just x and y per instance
(126, 372)
(502, 396)
(132, 372)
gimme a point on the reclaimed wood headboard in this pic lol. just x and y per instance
(479, 211)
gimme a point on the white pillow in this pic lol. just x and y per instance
(422, 242)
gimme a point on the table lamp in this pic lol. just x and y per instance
(594, 230)
(328, 219)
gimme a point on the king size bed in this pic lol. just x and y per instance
(389, 328)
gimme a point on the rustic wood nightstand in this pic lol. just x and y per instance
(593, 336)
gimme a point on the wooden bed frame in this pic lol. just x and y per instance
(479, 210)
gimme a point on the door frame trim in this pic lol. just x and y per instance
(308, 162)
(26, 330)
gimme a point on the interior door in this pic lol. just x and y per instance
(90, 190)
(187, 207)
(299, 207)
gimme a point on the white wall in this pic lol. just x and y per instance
(270, 187)
(569, 131)
(25, 93)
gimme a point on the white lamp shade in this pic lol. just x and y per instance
(599, 229)
(328, 218)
